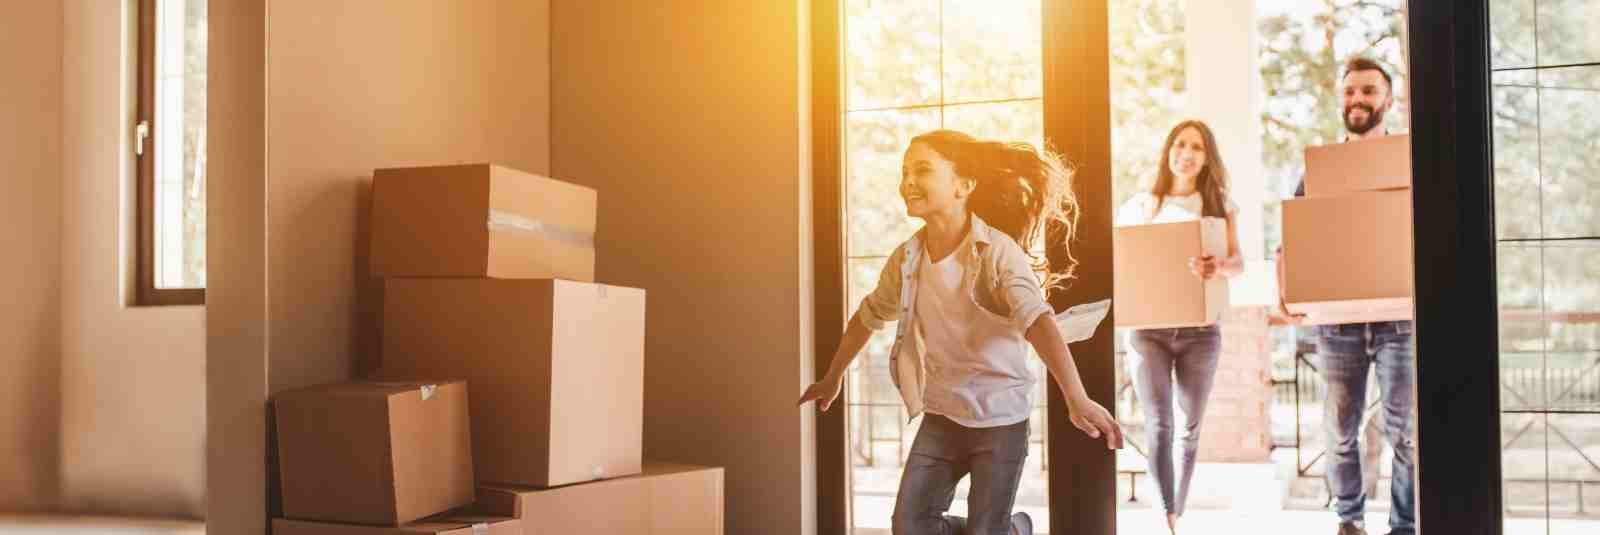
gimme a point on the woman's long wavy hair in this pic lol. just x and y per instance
(1022, 191)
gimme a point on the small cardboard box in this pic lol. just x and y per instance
(480, 221)
(1373, 164)
(1154, 287)
(374, 453)
(1348, 258)
(445, 525)
(557, 370)
(666, 499)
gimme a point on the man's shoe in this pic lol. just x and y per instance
(1021, 524)
(1348, 528)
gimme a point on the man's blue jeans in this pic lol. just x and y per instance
(1347, 353)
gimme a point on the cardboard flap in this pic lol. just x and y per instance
(497, 500)
(1214, 237)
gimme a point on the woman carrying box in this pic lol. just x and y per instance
(1180, 363)
(969, 303)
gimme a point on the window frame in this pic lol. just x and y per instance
(147, 293)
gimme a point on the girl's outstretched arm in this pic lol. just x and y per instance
(826, 389)
(1086, 415)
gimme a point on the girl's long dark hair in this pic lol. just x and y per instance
(1212, 182)
(1022, 191)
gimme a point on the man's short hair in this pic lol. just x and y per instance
(1367, 64)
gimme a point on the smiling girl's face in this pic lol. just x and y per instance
(929, 183)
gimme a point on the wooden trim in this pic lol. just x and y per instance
(1457, 316)
(148, 294)
(827, 180)
(1077, 122)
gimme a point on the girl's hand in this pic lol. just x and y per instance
(1204, 267)
(823, 392)
(1095, 421)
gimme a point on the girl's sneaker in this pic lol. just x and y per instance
(1021, 524)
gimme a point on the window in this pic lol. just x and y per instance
(1545, 65)
(912, 67)
(170, 137)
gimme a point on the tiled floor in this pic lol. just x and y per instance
(27, 524)
(1236, 499)
(1149, 522)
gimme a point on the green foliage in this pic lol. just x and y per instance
(1302, 57)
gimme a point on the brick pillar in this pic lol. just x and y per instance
(1237, 429)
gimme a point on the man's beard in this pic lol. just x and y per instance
(1374, 118)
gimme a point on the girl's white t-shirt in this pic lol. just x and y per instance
(1140, 210)
(976, 361)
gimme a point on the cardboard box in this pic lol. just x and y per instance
(557, 370)
(1154, 287)
(369, 453)
(666, 499)
(480, 221)
(1373, 164)
(1348, 259)
(446, 525)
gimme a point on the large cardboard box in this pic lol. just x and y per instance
(446, 525)
(557, 370)
(480, 221)
(372, 453)
(1373, 164)
(1348, 258)
(1154, 287)
(666, 499)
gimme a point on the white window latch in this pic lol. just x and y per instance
(141, 132)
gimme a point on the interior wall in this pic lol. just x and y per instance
(342, 89)
(30, 278)
(690, 118)
(132, 378)
(358, 85)
(236, 283)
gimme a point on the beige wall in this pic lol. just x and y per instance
(674, 111)
(236, 291)
(690, 118)
(30, 277)
(357, 85)
(343, 88)
(132, 379)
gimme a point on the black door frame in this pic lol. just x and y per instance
(1459, 490)
(1077, 122)
(1457, 324)
(827, 183)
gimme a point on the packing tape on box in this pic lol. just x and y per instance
(501, 221)
(427, 389)
(481, 528)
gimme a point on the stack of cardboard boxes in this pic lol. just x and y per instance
(489, 278)
(1347, 244)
